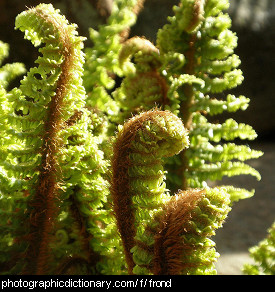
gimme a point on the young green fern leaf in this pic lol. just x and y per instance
(102, 59)
(137, 187)
(200, 33)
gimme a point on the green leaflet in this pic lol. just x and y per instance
(227, 81)
(219, 48)
(222, 152)
(238, 193)
(215, 106)
(216, 67)
(9, 71)
(229, 130)
(215, 171)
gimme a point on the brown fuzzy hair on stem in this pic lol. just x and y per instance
(134, 45)
(197, 15)
(169, 245)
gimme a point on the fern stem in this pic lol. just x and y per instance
(188, 92)
(186, 114)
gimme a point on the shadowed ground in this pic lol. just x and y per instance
(249, 219)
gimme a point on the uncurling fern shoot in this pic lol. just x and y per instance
(142, 87)
(53, 168)
(138, 187)
(177, 241)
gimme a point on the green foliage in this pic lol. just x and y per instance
(102, 58)
(87, 142)
(263, 256)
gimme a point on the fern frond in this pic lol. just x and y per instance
(208, 53)
(52, 155)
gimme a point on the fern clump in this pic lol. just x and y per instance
(87, 142)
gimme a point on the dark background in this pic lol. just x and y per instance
(253, 21)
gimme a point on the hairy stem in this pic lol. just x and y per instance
(43, 203)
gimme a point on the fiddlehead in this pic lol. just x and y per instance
(143, 86)
(137, 185)
(177, 241)
(60, 59)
